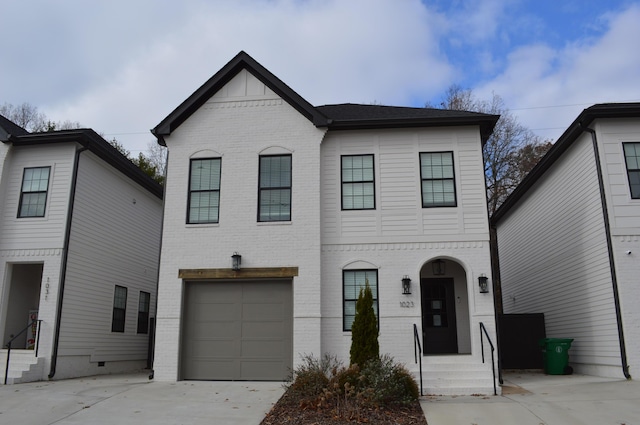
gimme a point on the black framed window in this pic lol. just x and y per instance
(632, 160)
(204, 191)
(352, 282)
(33, 195)
(119, 309)
(358, 184)
(143, 312)
(438, 179)
(274, 193)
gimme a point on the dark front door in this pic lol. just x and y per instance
(439, 333)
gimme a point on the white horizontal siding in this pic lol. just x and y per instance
(115, 240)
(399, 214)
(36, 232)
(554, 258)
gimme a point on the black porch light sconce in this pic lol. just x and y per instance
(236, 260)
(406, 285)
(438, 267)
(483, 283)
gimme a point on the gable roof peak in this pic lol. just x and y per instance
(242, 61)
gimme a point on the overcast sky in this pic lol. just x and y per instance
(120, 67)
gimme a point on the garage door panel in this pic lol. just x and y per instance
(261, 329)
(262, 349)
(262, 370)
(238, 330)
(254, 311)
(207, 349)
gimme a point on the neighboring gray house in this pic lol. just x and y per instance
(569, 241)
(316, 200)
(80, 230)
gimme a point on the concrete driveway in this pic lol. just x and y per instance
(133, 399)
(538, 399)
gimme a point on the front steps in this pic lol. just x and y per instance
(24, 366)
(455, 375)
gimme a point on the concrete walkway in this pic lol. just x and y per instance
(536, 399)
(133, 399)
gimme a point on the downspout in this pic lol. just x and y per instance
(63, 266)
(607, 229)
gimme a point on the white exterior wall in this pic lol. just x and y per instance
(624, 218)
(115, 240)
(554, 260)
(244, 120)
(399, 237)
(37, 240)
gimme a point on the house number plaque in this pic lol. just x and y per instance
(406, 304)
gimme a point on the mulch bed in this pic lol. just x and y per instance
(289, 411)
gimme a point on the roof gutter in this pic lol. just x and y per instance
(612, 268)
(63, 267)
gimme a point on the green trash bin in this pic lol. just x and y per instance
(555, 355)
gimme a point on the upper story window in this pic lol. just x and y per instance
(33, 195)
(274, 193)
(438, 180)
(119, 309)
(204, 191)
(358, 185)
(632, 159)
(352, 282)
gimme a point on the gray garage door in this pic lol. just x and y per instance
(237, 330)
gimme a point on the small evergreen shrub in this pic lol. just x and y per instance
(364, 330)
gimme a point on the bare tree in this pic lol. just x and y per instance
(157, 156)
(503, 152)
(28, 117)
(25, 115)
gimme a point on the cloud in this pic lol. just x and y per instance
(547, 87)
(328, 51)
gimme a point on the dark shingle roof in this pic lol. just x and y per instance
(349, 116)
(96, 144)
(333, 117)
(8, 127)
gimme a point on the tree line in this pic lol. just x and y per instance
(27, 116)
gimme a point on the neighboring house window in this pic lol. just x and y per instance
(143, 312)
(204, 191)
(274, 195)
(358, 186)
(632, 159)
(119, 309)
(438, 182)
(33, 196)
(352, 282)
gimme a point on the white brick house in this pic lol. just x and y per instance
(569, 239)
(315, 200)
(79, 246)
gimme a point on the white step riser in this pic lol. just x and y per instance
(24, 367)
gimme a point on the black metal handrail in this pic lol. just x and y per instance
(493, 363)
(417, 351)
(8, 345)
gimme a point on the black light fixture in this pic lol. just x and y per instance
(236, 260)
(438, 267)
(483, 283)
(406, 285)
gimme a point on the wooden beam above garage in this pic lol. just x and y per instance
(247, 273)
